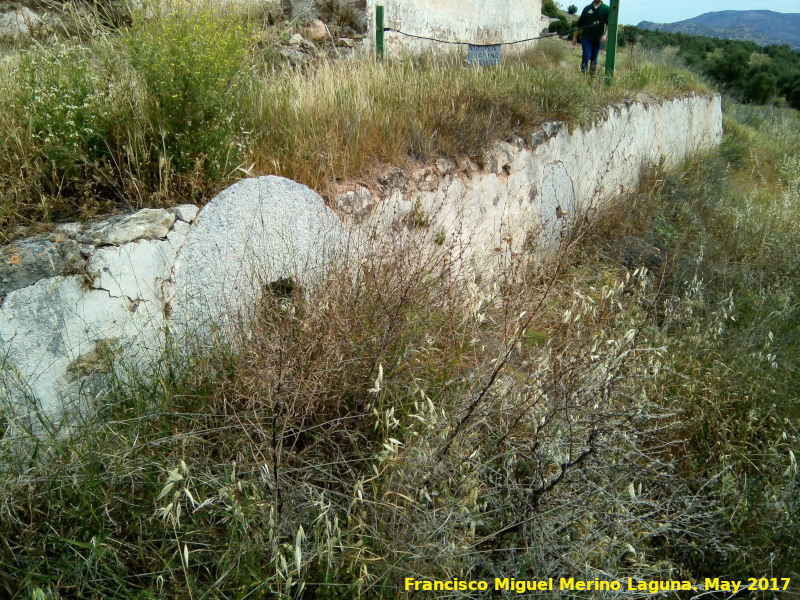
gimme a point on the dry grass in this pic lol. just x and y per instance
(406, 424)
(722, 234)
(340, 119)
(596, 419)
(143, 135)
(592, 420)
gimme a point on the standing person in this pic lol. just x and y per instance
(594, 18)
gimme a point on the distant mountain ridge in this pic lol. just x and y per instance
(764, 27)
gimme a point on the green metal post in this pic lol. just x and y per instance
(611, 44)
(379, 26)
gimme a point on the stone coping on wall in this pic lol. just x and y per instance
(527, 192)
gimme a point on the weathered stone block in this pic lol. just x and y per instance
(150, 223)
(186, 212)
(27, 261)
(134, 270)
(356, 203)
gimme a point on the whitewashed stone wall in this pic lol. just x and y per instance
(472, 21)
(529, 190)
(76, 297)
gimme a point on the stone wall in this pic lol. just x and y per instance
(86, 298)
(530, 190)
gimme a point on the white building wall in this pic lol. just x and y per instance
(471, 21)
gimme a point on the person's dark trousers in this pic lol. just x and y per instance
(591, 50)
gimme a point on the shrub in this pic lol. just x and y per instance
(550, 9)
(730, 241)
(759, 85)
(793, 95)
(730, 66)
(193, 66)
(589, 421)
(66, 102)
(561, 26)
(692, 55)
(406, 423)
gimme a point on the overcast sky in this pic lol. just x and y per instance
(633, 12)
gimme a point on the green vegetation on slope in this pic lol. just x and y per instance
(764, 27)
(722, 234)
(179, 104)
(743, 69)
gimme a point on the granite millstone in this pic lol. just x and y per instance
(256, 232)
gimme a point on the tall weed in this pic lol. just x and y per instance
(723, 232)
(65, 110)
(193, 65)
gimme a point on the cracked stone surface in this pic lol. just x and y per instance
(82, 300)
(135, 270)
(58, 337)
(48, 326)
(557, 205)
(177, 237)
(149, 223)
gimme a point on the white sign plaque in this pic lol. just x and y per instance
(484, 56)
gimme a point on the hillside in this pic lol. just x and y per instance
(600, 392)
(764, 27)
